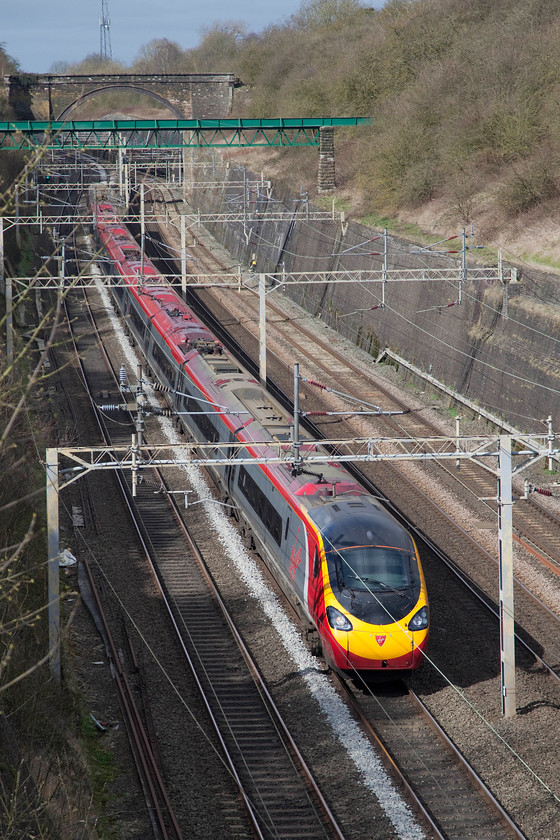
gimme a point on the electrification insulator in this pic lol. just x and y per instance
(317, 384)
(122, 375)
(109, 407)
(543, 491)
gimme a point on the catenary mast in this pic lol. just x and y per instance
(105, 50)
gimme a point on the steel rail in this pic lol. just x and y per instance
(418, 797)
(327, 814)
(262, 687)
(493, 803)
(463, 576)
(159, 805)
(152, 783)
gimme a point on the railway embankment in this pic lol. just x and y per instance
(500, 346)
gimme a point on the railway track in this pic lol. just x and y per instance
(481, 819)
(143, 746)
(402, 726)
(537, 528)
(538, 629)
(275, 785)
(468, 824)
(535, 525)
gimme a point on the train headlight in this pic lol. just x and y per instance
(419, 620)
(337, 620)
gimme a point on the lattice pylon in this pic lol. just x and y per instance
(105, 50)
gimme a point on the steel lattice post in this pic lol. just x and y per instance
(505, 535)
(53, 561)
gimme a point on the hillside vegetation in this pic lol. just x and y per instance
(464, 98)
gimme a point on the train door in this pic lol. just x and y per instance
(229, 473)
(296, 558)
(315, 594)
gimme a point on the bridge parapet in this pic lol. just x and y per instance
(187, 95)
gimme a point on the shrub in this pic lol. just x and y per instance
(528, 185)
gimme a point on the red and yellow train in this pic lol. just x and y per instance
(351, 569)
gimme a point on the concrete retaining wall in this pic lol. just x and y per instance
(500, 348)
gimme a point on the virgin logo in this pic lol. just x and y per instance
(380, 640)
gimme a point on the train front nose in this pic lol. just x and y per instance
(386, 649)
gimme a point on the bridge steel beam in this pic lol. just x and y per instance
(171, 134)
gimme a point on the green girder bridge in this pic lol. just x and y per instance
(168, 134)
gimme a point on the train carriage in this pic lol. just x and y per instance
(352, 571)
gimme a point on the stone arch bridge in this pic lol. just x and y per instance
(187, 95)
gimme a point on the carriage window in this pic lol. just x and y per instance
(262, 506)
(163, 362)
(136, 319)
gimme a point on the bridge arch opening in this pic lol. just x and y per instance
(177, 112)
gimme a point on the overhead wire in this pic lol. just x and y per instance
(486, 722)
(451, 347)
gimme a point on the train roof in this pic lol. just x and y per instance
(371, 524)
(253, 415)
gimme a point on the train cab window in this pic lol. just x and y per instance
(367, 550)
(373, 567)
